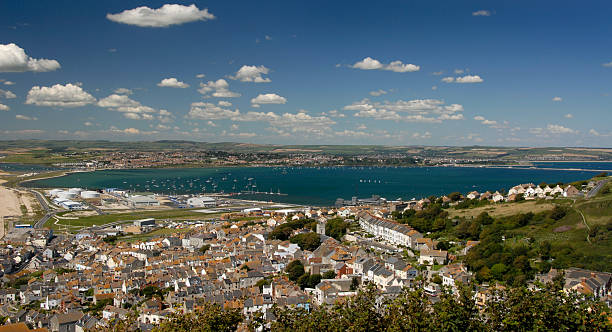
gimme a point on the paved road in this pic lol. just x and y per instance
(43, 203)
(596, 189)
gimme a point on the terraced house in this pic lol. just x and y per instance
(389, 231)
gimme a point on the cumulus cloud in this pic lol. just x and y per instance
(25, 117)
(268, 98)
(395, 66)
(14, 59)
(210, 111)
(481, 13)
(557, 99)
(553, 129)
(463, 79)
(252, 74)
(165, 16)
(469, 79)
(353, 133)
(569, 115)
(69, 95)
(378, 92)
(335, 114)
(486, 122)
(219, 89)
(172, 83)
(130, 108)
(224, 103)
(200, 75)
(7, 82)
(4, 107)
(418, 110)
(7, 94)
(123, 91)
(598, 134)
(425, 135)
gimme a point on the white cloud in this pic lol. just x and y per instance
(219, 89)
(212, 124)
(268, 37)
(9, 83)
(123, 91)
(557, 99)
(418, 110)
(252, 74)
(210, 111)
(224, 103)
(598, 134)
(569, 115)
(438, 73)
(491, 123)
(396, 66)
(25, 117)
(469, 79)
(353, 133)
(425, 135)
(165, 16)
(335, 114)
(200, 75)
(69, 95)
(558, 129)
(459, 71)
(172, 83)
(235, 127)
(7, 94)
(362, 127)
(607, 64)
(434, 87)
(553, 129)
(87, 124)
(4, 107)
(377, 93)
(132, 109)
(268, 98)
(463, 79)
(14, 59)
(481, 13)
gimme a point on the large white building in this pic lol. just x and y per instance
(201, 201)
(389, 231)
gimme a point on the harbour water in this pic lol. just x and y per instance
(315, 185)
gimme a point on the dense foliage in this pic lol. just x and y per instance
(283, 231)
(516, 309)
(208, 319)
(295, 270)
(430, 219)
(336, 228)
(307, 241)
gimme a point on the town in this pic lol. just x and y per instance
(247, 256)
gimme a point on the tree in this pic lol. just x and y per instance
(331, 274)
(558, 212)
(204, 248)
(455, 196)
(210, 318)
(307, 241)
(295, 269)
(336, 228)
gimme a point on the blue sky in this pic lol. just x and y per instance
(519, 73)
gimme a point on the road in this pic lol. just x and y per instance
(596, 189)
(43, 203)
